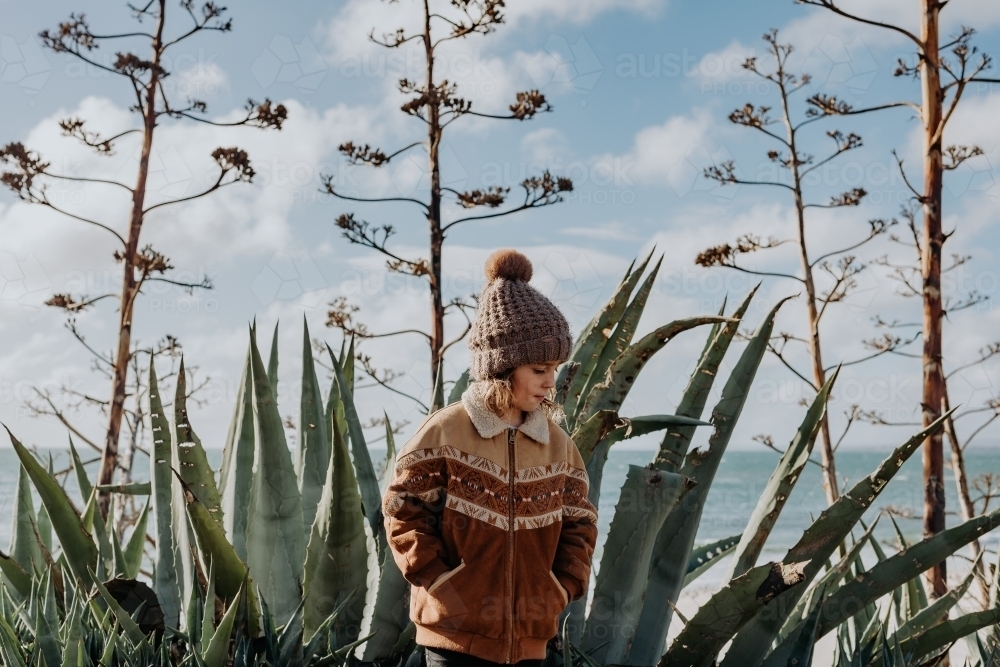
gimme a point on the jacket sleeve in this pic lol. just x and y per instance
(578, 537)
(412, 509)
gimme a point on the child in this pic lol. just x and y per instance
(487, 514)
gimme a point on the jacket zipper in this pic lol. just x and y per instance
(510, 539)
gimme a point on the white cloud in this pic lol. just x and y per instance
(544, 145)
(613, 230)
(675, 153)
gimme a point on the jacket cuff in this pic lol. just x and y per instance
(572, 586)
(426, 575)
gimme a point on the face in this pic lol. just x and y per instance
(531, 383)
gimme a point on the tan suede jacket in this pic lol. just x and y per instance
(492, 528)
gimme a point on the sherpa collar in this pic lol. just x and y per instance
(489, 425)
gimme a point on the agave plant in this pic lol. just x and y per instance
(281, 558)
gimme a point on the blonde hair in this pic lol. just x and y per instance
(498, 396)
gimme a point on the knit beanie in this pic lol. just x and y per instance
(516, 324)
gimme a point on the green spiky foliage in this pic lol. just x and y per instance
(281, 558)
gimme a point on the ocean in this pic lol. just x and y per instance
(738, 485)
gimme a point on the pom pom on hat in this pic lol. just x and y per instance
(508, 264)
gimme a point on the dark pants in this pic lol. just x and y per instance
(440, 657)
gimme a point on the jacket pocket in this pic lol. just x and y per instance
(459, 601)
(539, 601)
(445, 577)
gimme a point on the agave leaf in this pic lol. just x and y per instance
(45, 528)
(289, 645)
(948, 632)
(611, 392)
(344, 651)
(646, 498)
(111, 644)
(370, 495)
(627, 428)
(901, 567)
(118, 566)
(82, 481)
(829, 581)
(47, 625)
(605, 428)
(237, 465)
(705, 557)
(93, 524)
(24, 547)
(15, 574)
(129, 626)
(390, 455)
(567, 652)
(716, 621)
(81, 554)
(347, 363)
(593, 430)
(915, 593)
(323, 632)
(815, 547)
(72, 633)
(275, 538)
(935, 612)
(230, 572)
(337, 555)
(166, 580)
(389, 617)
(675, 442)
(194, 467)
(676, 539)
(216, 651)
(714, 331)
(136, 543)
(334, 413)
(313, 454)
(272, 363)
(779, 486)
(10, 647)
(802, 651)
(461, 384)
(621, 337)
(592, 339)
(208, 610)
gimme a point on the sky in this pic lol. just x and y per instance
(641, 91)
